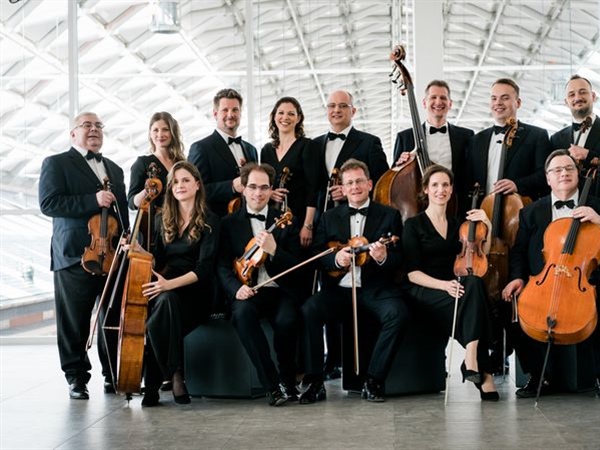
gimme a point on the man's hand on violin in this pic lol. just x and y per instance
(244, 293)
(513, 288)
(154, 288)
(586, 214)
(278, 195)
(504, 186)
(105, 198)
(454, 288)
(578, 152)
(343, 258)
(378, 252)
(336, 193)
(266, 242)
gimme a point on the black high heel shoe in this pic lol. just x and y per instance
(180, 392)
(469, 375)
(487, 396)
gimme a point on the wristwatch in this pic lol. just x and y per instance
(308, 226)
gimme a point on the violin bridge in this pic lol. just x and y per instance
(562, 270)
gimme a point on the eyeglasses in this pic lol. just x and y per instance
(358, 182)
(89, 125)
(261, 188)
(558, 170)
(338, 105)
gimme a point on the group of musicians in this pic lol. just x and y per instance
(314, 197)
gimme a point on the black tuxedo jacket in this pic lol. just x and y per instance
(526, 258)
(67, 193)
(564, 139)
(358, 145)
(218, 168)
(524, 160)
(236, 232)
(381, 220)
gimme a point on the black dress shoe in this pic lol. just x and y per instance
(292, 392)
(78, 391)
(315, 392)
(334, 373)
(373, 391)
(109, 387)
(530, 389)
(277, 396)
(151, 398)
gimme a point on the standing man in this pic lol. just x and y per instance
(377, 294)
(446, 143)
(580, 99)
(70, 191)
(277, 301)
(527, 258)
(220, 156)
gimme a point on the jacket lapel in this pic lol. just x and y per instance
(81, 164)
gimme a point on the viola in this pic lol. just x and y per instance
(102, 227)
(559, 304)
(360, 246)
(472, 260)
(254, 256)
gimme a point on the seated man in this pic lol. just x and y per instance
(277, 300)
(377, 295)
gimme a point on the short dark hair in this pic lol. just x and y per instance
(352, 164)
(436, 168)
(438, 83)
(226, 93)
(554, 154)
(509, 82)
(579, 77)
(248, 168)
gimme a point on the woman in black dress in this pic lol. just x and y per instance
(166, 149)
(431, 243)
(290, 148)
(180, 296)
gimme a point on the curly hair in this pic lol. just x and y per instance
(170, 212)
(298, 130)
(176, 147)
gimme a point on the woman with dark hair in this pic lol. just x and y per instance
(166, 149)
(431, 241)
(290, 148)
(180, 297)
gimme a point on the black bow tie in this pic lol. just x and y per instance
(92, 155)
(364, 211)
(569, 204)
(333, 136)
(498, 129)
(433, 130)
(260, 217)
(237, 140)
(577, 126)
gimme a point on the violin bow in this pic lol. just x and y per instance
(452, 341)
(354, 313)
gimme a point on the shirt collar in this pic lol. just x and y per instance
(264, 211)
(593, 116)
(345, 131)
(224, 135)
(364, 205)
(82, 151)
(574, 197)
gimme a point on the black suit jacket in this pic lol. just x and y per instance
(524, 160)
(218, 168)
(526, 258)
(67, 193)
(564, 139)
(236, 232)
(381, 220)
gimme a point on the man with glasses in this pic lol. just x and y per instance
(527, 259)
(71, 192)
(377, 294)
(583, 141)
(277, 301)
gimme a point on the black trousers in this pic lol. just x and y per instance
(281, 312)
(75, 295)
(473, 316)
(335, 305)
(171, 316)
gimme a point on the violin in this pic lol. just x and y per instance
(283, 179)
(254, 256)
(559, 304)
(152, 188)
(472, 260)
(102, 227)
(360, 246)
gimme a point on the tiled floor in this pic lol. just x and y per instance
(36, 413)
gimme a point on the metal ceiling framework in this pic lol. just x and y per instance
(303, 48)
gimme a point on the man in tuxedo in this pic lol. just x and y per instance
(522, 173)
(277, 301)
(580, 98)
(342, 142)
(446, 143)
(377, 294)
(526, 257)
(220, 155)
(71, 192)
